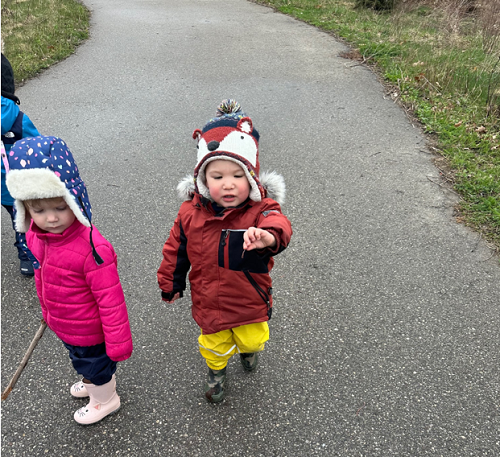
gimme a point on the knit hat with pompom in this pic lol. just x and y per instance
(231, 136)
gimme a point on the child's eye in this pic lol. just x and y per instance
(61, 208)
(37, 211)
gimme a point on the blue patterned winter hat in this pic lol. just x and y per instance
(43, 167)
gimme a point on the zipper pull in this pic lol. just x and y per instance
(225, 237)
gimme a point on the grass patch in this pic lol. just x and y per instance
(39, 33)
(442, 61)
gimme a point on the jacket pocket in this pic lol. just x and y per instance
(262, 293)
(233, 257)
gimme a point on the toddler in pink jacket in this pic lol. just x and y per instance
(76, 276)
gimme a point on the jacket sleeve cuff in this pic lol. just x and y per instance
(120, 358)
(167, 296)
(276, 248)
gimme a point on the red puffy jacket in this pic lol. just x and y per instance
(229, 286)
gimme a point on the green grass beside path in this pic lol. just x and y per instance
(441, 61)
(39, 33)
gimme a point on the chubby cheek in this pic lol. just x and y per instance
(37, 219)
(244, 190)
(215, 192)
(70, 219)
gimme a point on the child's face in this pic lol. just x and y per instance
(227, 183)
(52, 215)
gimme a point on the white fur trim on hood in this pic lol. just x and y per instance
(274, 185)
(185, 188)
(36, 183)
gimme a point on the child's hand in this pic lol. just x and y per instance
(175, 297)
(256, 238)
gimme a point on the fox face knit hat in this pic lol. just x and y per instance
(229, 136)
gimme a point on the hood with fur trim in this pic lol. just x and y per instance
(43, 167)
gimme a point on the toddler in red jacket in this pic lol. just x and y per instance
(76, 275)
(227, 232)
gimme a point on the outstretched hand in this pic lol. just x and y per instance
(256, 238)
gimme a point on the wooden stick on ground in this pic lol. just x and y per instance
(23, 363)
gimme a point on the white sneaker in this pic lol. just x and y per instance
(103, 402)
(79, 390)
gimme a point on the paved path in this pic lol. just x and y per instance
(385, 336)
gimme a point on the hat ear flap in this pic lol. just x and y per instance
(245, 125)
(197, 134)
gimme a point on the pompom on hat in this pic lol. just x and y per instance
(44, 167)
(232, 136)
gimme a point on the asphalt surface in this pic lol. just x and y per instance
(385, 333)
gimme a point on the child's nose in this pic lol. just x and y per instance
(52, 217)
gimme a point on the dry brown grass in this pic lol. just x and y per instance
(489, 21)
(463, 17)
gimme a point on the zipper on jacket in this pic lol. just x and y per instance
(225, 244)
(42, 270)
(261, 292)
(225, 237)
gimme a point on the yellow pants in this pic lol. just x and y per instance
(217, 348)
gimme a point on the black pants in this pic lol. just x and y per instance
(92, 363)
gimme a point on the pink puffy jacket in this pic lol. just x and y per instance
(82, 302)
